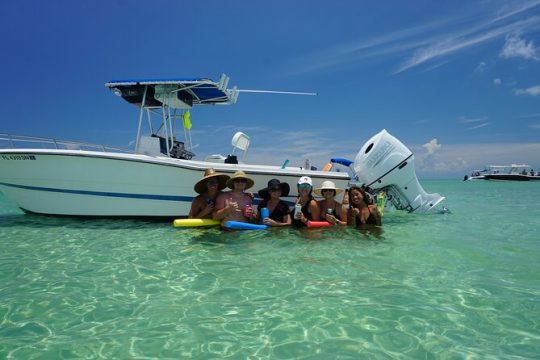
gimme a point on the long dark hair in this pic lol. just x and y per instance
(365, 196)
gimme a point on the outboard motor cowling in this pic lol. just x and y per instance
(384, 163)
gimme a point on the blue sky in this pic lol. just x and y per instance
(458, 82)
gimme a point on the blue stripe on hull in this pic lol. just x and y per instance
(103, 193)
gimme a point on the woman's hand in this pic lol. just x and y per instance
(331, 219)
(231, 205)
(270, 222)
(209, 207)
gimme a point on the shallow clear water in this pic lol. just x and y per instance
(454, 286)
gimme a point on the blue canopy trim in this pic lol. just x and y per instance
(191, 91)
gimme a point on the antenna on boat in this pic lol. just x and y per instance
(276, 92)
(234, 92)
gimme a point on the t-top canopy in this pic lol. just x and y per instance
(177, 93)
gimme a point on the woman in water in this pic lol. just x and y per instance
(208, 188)
(361, 211)
(306, 207)
(235, 205)
(331, 210)
(278, 210)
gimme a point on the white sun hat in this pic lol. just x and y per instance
(327, 185)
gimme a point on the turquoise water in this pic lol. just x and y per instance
(464, 285)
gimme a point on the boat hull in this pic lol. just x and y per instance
(511, 177)
(86, 183)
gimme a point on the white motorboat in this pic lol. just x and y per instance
(157, 178)
(514, 172)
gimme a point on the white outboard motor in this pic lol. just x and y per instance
(384, 163)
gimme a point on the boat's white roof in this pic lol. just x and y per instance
(192, 91)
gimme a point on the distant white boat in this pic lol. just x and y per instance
(54, 177)
(514, 172)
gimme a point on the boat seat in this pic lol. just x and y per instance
(240, 141)
(178, 150)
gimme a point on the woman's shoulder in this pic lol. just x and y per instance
(199, 197)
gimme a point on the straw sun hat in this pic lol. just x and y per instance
(327, 185)
(200, 186)
(240, 175)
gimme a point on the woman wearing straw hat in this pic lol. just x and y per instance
(331, 209)
(208, 188)
(279, 213)
(235, 205)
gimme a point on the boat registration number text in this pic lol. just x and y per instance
(18, 157)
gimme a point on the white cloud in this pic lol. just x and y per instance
(535, 126)
(533, 91)
(480, 68)
(478, 126)
(533, 115)
(428, 42)
(497, 82)
(455, 42)
(512, 8)
(515, 47)
(432, 146)
(465, 119)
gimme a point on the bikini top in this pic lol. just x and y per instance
(306, 212)
(371, 220)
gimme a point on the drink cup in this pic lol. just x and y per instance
(297, 211)
(265, 213)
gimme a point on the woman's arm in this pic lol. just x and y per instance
(194, 210)
(314, 210)
(201, 209)
(377, 214)
(352, 213)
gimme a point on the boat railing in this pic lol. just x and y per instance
(22, 141)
